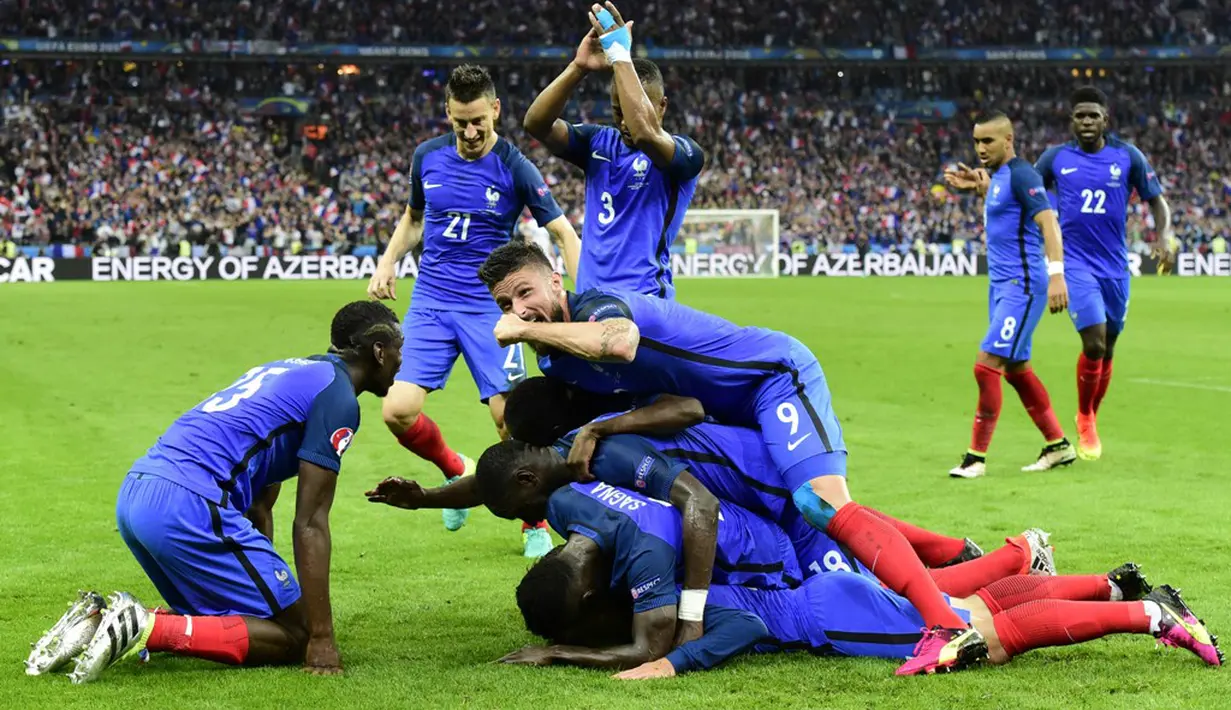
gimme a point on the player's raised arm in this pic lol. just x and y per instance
(611, 340)
(565, 237)
(543, 120)
(313, 548)
(1028, 189)
(728, 633)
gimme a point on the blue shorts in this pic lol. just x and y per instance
(434, 338)
(856, 616)
(1014, 315)
(204, 560)
(1095, 299)
(795, 415)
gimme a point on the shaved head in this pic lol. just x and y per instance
(993, 136)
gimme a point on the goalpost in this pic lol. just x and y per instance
(727, 243)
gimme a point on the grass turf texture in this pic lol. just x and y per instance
(93, 373)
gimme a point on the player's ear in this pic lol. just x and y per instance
(495, 110)
(557, 281)
(525, 477)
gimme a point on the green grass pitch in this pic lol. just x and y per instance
(92, 373)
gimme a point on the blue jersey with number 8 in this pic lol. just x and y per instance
(255, 432)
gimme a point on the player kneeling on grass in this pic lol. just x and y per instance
(566, 599)
(196, 511)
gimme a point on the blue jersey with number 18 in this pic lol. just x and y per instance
(1092, 196)
(255, 432)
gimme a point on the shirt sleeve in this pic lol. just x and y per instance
(1028, 188)
(580, 136)
(533, 191)
(417, 201)
(332, 423)
(1142, 176)
(629, 461)
(687, 161)
(728, 632)
(648, 566)
(602, 306)
(1044, 167)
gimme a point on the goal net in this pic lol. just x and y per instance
(726, 243)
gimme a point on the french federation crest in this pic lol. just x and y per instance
(493, 197)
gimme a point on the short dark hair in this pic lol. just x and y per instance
(989, 116)
(495, 471)
(648, 72)
(513, 256)
(468, 83)
(1088, 95)
(359, 325)
(542, 409)
(542, 596)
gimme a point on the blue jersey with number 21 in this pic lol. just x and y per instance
(255, 432)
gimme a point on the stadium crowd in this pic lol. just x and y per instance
(148, 157)
(710, 23)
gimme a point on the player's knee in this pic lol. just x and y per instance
(1094, 348)
(400, 408)
(815, 509)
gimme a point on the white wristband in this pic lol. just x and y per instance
(1055, 267)
(692, 604)
(618, 53)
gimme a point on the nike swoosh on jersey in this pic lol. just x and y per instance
(1066, 171)
(603, 158)
(795, 444)
(430, 185)
(1001, 345)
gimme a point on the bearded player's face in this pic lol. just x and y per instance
(531, 293)
(474, 122)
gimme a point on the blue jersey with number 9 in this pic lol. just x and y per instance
(255, 432)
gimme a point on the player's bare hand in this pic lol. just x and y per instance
(661, 668)
(509, 329)
(687, 631)
(590, 56)
(529, 656)
(964, 177)
(383, 284)
(397, 492)
(1057, 293)
(581, 452)
(322, 657)
(1163, 254)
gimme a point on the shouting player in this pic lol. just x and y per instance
(1093, 177)
(639, 177)
(467, 190)
(196, 512)
(1020, 227)
(742, 376)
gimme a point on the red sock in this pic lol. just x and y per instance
(966, 578)
(530, 526)
(932, 548)
(1015, 591)
(1040, 624)
(216, 638)
(1089, 379)
(424, 440)
(1038, 405)
(988, 411)
(883, 550)
(1102, 384)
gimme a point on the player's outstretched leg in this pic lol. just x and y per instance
(934, 550)
(987, 413)
(402, 409)
(1057, 451)
(69, 636)
(1027, 553)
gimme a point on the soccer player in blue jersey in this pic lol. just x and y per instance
(1025, 263)
(1093, 177)
(639, 177)
(196, 512)
(607, 342)
(565, 598)
(467, 190)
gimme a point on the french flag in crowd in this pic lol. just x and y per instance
(98, 188)
(178, 158)
(251, 204)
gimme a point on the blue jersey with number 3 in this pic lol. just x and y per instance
(255, 432)
(470, 207)
(634, 209)
(1092, 196)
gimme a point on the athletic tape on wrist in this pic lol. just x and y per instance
(1055, 267)
(692, 604)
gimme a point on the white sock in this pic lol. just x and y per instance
(1116, 594)
(1155, 613)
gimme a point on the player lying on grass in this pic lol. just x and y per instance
(196, 512)
(763, 379)
(567, 599)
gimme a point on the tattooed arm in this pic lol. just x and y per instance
(610, 340)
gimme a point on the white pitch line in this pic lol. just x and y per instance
(1186, 385)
